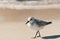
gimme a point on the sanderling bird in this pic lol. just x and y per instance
(36, 24)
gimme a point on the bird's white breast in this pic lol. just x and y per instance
(29, 25)
(34, 26)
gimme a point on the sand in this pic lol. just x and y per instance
(12, 24)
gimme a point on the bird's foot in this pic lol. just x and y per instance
(38, 36)
(33, 37)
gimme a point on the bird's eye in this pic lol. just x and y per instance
(30, 19)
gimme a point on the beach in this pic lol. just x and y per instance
(13, 27)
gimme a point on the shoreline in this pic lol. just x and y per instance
(21, 15)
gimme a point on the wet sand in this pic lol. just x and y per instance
(12, 24)
(20, 15)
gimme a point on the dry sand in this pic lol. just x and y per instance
(12, 24)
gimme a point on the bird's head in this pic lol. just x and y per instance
(29, 19)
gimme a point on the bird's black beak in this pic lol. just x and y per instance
(27, 22)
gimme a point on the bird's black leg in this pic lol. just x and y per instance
(39, 34)
(36, 34)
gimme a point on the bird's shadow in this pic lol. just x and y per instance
(51, 37)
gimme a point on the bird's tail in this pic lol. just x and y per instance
(49, 22)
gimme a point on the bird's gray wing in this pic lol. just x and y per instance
(41, 22)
